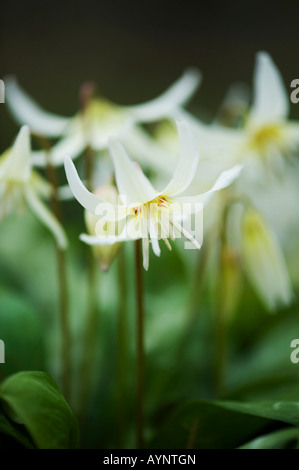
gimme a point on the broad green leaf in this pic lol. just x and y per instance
(37, 402)
(221, 424)
(276, 440)
(285, 411)
(7, 428)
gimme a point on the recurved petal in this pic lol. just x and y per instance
(71, 145)
(94, 240)
(45, 216)
(145, 149)
(17, 163)
(88, 200)
(270, 101)
(133, 186)
(163, 106)
(27, 111)
(187, 164)
(224, 180)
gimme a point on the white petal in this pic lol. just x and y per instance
(45, 216)
(145, 253)
(163, 106)
(187, 163)
(144, 149)
(154, 236)
(133, 186)
(271, 102)
(17, 164)
(224, 180)
(186, 234)
(264, 261)
(214, 140)
(27, 111)
(88, 200)
(71, 145)
(93, 240)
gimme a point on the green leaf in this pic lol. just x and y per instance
(7, 428)
(285, 411)
(220, 424)
(276, 440)
(37, 402)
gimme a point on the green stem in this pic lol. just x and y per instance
(62, 279)
(198, 284)
(122, 345)
(63, 292)
(220, 349)
(92, 320)
(90, 334)
(140, 343)
(64, 322)
(221, 324)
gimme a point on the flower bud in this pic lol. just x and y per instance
(104, 253)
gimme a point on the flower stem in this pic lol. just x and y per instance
(122, 345)
(64, 322)
(220, 349)
(140, 343)
(62, 279)
(92, 320)
(90, 334)
(221, 320)
(197, 286)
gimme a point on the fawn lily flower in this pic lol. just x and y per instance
(266, 136)
(269, 134)
(19, 184)
(263, 260)
(143, 212)
(99, 121)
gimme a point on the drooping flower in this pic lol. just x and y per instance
(144, 212)
(20, 185)
(263, 260)
(99, 121)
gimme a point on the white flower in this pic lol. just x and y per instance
(99, 121)
(143, 212)
(267, 135)
(20, 185)
(263, 260)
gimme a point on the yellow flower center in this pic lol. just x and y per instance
(159, 202)
(265, 136)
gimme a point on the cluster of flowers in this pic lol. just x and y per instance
(239, 151)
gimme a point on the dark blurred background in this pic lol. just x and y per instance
(135, 49)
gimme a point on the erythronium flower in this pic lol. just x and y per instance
(263, 260)
(143, 212)
(267, 135)
(99, 121)
(19, 184)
